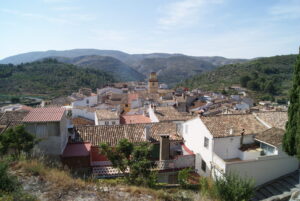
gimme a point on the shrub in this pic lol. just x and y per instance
(8, 183)
(207, 187)
(183, 176)
(231, 187)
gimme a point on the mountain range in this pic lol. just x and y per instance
(171, 68)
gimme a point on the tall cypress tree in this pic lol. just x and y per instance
(291, 140)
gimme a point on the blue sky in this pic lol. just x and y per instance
(230, 28)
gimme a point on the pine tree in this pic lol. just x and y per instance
(291, 140)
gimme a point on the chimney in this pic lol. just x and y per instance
(242, 138)
(164, 147)
(147, 132)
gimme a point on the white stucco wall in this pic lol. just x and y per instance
(110, 122)
(152, 115)
(194, 132)
(265, 168)
(228, 147)
(92, 101)
(76, 112)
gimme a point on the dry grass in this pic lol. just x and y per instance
(59, 181)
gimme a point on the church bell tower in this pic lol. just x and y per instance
(153, 83)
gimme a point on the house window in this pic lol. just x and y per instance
(203, 165)
(106, 123)
(113, 123)
(87, 101)
(206, 141)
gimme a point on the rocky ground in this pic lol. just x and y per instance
(44, 191)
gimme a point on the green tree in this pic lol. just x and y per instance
(15, 100)
(270, 88)
(253, 85)
(140, 165)
(135, 157)
(16, 140)
(291, 139)
(119, 156)
(244, 80)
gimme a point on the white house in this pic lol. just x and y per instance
(87, 101)
(228, 143)
(82, 111)
(107, 117)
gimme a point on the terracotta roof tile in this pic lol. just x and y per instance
(273, 119)
(77, 149)
(107, 114)
(171, 114)
(134, 119)
(133, 132)
(82, 121)
(272, 136)
(12, 116)
(223, 125)
(132, 96)
(49, 114)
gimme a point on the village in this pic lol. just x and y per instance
(209, 132)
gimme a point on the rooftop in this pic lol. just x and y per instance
(134, 119)
(233, 125)
(132, 97)
(12, 116)
(133, 132)
(271, 136)
(273, 119)
(171, 114)
(82, 121)
(49, 114)
(77, 149)
(107, 114)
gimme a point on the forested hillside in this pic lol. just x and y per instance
(115, 67)
(269, 76)
(49, 78)
(171, 68)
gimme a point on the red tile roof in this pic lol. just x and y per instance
(50, 114)
(77, 149)
(132, 97)
(134, 119)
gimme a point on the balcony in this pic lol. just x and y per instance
(182, 161)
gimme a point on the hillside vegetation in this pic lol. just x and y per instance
(171, 68)
(115, 67)
(49, 78)
(266, 77)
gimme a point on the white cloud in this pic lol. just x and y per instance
(286, 10)
(184, 12)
